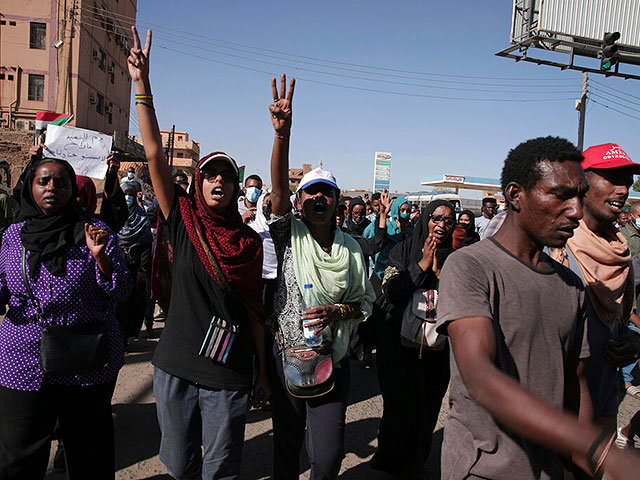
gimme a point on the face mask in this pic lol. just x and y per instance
(359, 221)
(405, 216)
(130, 199)
(637, 223)
(131, 175)
(253, 194)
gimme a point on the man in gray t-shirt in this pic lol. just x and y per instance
(516, 323)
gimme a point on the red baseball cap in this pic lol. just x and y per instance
(608, 155)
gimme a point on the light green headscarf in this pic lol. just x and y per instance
(337, 278)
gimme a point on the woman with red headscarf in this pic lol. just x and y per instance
(216, 287)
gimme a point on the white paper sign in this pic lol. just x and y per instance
(85, 150)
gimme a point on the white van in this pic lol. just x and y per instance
(422, 199)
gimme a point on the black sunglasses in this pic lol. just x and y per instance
(227, 175)
(448, 221)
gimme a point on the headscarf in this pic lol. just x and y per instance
(472, 236)
(605, 266)
(339, 277)
(46, 237)
(357, 228)
(230, 251)
(259, 224)
(137, 228)
(86, 186)
(410, 251)
(394, 213)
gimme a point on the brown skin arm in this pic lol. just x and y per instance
(159, 170)
(281, 112)
(473, 343)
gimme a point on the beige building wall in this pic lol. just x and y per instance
(186, 152)
(80, 62)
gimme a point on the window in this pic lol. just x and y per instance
(12, 24)
(100, 58)
(36, 87)
(9, 77)
(99, 103)
(1, 76)
(113, 72)
(110, 113)
(3, 22)
(179, 155)
(179, 138)
(38, 37)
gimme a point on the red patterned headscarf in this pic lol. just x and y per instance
(88, 188)
(230, 251)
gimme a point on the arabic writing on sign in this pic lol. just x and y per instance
(85, 150)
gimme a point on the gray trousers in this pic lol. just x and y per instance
(192, 417)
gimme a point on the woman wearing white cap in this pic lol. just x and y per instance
(203, 373)
(310, 251)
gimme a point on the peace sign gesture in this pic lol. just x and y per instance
(138, 61)
(281, 107)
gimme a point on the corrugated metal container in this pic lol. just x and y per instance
(590, 19)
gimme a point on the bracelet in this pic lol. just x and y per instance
(603, 455)
(343, 310)
(282, 137)
(138, 102)
(144, 97)
(592, 449)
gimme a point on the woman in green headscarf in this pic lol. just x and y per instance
(311, 251)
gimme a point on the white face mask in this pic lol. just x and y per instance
(131, 175)
(636, 222)
(253, 194)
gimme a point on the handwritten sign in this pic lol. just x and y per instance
(85, 150)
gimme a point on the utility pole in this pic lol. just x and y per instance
(582, 108)
(63, 88)
(171, 139)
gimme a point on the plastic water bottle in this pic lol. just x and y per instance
(309, 299)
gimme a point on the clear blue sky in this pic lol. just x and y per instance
(225, 108)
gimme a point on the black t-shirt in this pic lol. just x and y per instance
(193, 305)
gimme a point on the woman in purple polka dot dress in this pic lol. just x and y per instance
(77, 274)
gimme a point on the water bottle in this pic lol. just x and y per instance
(309, 300)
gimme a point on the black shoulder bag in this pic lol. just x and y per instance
(69, 350)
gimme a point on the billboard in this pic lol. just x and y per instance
(381, 171)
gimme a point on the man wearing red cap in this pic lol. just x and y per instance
(599, 253)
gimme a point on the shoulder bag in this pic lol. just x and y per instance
(69, 350)
(418, 329)
(308, 371)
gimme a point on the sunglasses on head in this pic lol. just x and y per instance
(448, 221)
(210, 175)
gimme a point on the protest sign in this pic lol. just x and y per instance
(85, 150)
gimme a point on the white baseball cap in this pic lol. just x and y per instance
(318, 176)
(218, 156)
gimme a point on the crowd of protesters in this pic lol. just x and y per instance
(527, 315)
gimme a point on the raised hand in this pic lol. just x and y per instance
(138, 61)
(428, 254)
(385, 203)
(97, 239)
(281, 107)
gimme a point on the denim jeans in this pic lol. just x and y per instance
(192, 417)
(626, 371)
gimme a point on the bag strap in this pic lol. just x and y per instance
(23, 269)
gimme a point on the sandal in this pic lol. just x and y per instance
(622, 441)
(633, 390)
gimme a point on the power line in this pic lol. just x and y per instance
(614, 95)
(614, 102)
(615, 89)
(95, 10)
(355, 77)
(367, 89)
(611, 108)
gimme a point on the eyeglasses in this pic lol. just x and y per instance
(448, 221)
(210, 175)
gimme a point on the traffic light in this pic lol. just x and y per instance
(610, 55)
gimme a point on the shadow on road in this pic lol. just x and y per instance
(137, 433)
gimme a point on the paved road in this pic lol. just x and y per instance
(138, 436)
